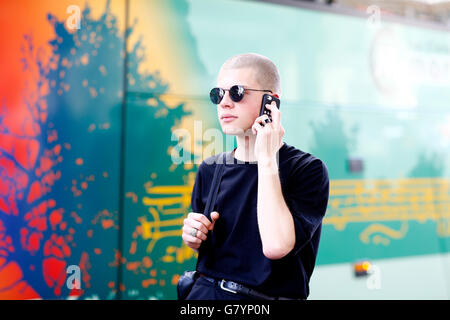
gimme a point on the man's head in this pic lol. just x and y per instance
(252, 71)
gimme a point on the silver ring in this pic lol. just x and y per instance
(194, 232)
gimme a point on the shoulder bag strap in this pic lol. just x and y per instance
(212, 197)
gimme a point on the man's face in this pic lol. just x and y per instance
(246, 110)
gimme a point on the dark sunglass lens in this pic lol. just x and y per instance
(216, 95)
(236, 93)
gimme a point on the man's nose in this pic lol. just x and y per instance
(226, 101)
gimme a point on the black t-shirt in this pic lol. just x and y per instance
(233, 250)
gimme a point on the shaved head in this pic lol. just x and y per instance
(265, 71)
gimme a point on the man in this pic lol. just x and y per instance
(264, 234)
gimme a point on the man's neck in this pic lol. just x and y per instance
(246, 147)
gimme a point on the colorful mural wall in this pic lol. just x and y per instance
(88, 114)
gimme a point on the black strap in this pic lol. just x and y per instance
(212, 197)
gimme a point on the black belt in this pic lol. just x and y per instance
(234, 287)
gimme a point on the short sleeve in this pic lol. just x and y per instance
(197, 204)
(307, 199)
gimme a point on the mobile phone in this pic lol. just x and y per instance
(268, 99)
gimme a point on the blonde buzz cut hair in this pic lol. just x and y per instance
(266, 72)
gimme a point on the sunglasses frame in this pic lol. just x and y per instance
(238, 90)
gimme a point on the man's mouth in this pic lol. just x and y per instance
(228, 116)
(228, 119)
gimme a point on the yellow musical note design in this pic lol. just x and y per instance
(379, 228)
(387, 200)
(166, 201)
(157, 229)
(351, 201)
(179, 255)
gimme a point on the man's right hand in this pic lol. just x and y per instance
(202, 224)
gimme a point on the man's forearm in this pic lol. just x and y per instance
(275, 221)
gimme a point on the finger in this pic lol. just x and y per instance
(201, 218)
(200, 234)
(196, 224)
(259, 127)
(188, 238)
(193, 245)
(255, 128)
(267, 121)
(260, 123)
(214, 217)
(272, 106)
(275, 113)
(262, 118)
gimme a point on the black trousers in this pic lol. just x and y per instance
(205, 289)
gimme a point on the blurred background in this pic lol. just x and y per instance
(94, 95)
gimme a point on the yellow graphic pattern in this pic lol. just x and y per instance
(168, 206)
(351, 201)
(389, 200)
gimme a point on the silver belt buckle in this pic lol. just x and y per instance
(226, 289)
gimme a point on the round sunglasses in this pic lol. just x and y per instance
(236, 93)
